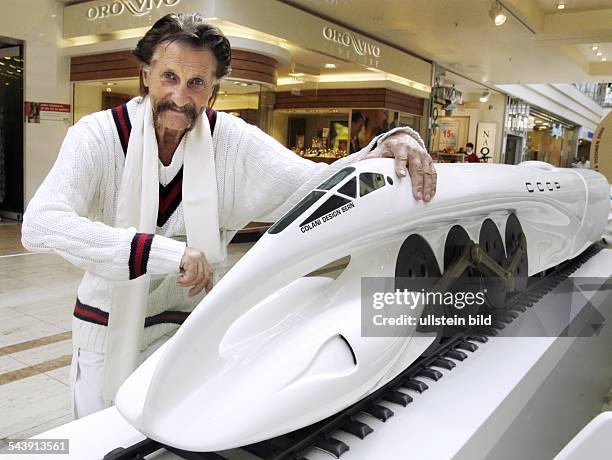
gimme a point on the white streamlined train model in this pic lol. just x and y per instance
(270, 350)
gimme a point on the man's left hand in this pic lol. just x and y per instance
(409, 156)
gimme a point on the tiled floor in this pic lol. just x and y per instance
(37, 293)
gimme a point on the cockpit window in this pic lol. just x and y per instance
(368, 182)
(350, 188)
(333, 203)
(296, 211)
(336, 179)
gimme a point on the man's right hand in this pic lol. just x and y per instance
(195, 272)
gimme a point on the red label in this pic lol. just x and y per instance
(53, 107)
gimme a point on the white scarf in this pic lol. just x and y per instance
(137, 208)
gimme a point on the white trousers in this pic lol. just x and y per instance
(86, 373)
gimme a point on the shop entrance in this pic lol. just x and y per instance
(550, 138)
(465, 112)
(11, 128)
(513, 149)
(584, 149)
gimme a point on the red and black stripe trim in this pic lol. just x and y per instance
(168, 316)
(170, 197)
(90, 314)
(212, 119)
(139, 254)
(95, 315)
(123, 124)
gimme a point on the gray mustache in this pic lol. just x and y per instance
(189, 110)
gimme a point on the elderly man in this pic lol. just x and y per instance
(131, 183)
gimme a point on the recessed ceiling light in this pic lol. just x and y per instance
(561, 5)
(604, 59)
(497, 13)
(330, 66)
(595, 47)
(599, 53)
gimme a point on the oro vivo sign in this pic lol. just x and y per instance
(134, 7)
(349, 40)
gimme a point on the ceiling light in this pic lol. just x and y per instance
(594, 47)
(604, 59)
(561, 5)
(599, 53)
(296, 74)
(497, 13)
(484, 97)
(330, 66)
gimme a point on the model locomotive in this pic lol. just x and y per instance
(270, 350)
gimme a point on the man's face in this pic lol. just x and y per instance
(180, 81)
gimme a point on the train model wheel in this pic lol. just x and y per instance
(514, 234)
(491, 243)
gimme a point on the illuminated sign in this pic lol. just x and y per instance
(134, 7)
(349, 40)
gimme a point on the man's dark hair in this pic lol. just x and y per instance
(469, 144)
(188, 28)
(357, 116)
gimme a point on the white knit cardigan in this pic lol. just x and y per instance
(73, 212)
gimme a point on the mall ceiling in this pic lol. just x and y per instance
(538, 43)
